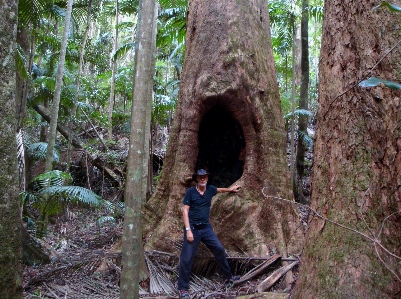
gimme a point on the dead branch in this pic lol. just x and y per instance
(274, 277)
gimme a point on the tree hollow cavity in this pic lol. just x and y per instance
(221, 147)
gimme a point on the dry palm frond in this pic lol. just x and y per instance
(159, 284)
(21, 159)
(199, 283)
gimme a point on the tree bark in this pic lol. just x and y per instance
(10, 221)
(132, 250)
(57, 91)
(229, 121)
(357, 164)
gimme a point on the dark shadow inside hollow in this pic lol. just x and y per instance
(221, 147)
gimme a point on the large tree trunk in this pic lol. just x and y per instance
(229, 121)
(10, 221)
(357, 165)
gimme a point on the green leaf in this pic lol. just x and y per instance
(392, 7)
(373, 82)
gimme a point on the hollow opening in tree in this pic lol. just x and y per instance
(221, 147)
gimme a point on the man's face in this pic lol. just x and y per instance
(202, 180)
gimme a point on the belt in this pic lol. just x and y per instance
(200, 226)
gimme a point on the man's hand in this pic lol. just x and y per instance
(190, 236)
(235, 188)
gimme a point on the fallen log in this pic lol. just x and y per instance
(274, 277)
(258, 270)
(77, 143)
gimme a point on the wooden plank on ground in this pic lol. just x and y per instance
(257, 270)
(274, 277)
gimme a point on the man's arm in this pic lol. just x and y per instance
(190, 236)
(234, 188)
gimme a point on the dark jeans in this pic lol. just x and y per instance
(209, 238)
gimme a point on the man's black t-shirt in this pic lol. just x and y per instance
(199, 204)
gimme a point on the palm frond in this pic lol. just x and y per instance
(38, 150)
(20, 62)
(27, 197)
(42, 94)
(108, 205)
(306, 140)
(172, 26)
(31, 12)
(316, 12)
(298, 112)
(50, 179)
(105, 219)
(173, 3)
(74, 193)
(48, 42)
(175, 51)
(123, 50)
(46, 82)
(129, 7)
(121, 205)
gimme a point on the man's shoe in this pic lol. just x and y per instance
(230, 282)
(184, 294)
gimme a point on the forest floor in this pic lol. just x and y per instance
(86, 263)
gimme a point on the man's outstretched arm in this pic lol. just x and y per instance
(234, 189)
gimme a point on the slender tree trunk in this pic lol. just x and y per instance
(303, 102)
(113, 78)
(57, 91)
(132, 252)
(293, 87)
(78, 79)
(148, 175)
(10, 221)
(356, 179)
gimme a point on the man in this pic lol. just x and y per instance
(196, 210)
